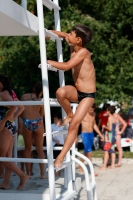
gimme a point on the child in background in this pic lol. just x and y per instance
(88, 124)
(109, 139)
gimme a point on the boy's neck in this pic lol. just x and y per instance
(77, 48)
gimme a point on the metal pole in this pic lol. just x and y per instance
(51, 174)
(24, 4)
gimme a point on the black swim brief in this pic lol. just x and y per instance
(82, 95)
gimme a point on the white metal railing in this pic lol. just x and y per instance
(49, 67)
(51, 5)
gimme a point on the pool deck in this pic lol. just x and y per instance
(111, 184)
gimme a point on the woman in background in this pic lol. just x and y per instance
(33, 126)
(7, 131)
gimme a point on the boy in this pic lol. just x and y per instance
(87, 126)
(83, 73)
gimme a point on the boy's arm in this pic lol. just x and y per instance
(75, 60)
(60, 34)
(98, 131)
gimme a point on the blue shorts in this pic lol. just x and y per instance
(88, 140)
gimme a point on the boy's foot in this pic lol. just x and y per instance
(111, 167)
(65, 121)
(118, 165)
(103, 168)
(23, 182)
(43, 177)
(96, 174)
(81, 171)
(4, 187)
(58, 163)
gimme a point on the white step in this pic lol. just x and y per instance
(51, 5)
(65, 164)
(49, 67)
(52, 36)
(67, 195)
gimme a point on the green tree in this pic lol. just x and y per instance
(111, 47)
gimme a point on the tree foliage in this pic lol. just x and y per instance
(111, 47)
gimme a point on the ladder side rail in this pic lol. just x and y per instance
(73, 150)
(51, 174)
(24, 4)
(89, 163)
(86, 176)
(61, 73)
(59, 49)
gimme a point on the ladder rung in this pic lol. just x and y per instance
(57, 133)
(49, 67)
(64, 165)
(53, 100)
(67, 195)
(52, 35)
(50, 4)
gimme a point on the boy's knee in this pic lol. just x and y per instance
(73, 125)
(60, 92)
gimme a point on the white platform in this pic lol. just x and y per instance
(16, 21)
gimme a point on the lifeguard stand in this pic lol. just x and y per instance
(22, 22)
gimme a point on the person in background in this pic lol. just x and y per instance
(7, 133)
(33, 126)
(88, 125)
(122, 125)
(103, 117)
(109, 139)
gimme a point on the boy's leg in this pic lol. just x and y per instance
(106, 157)
(65, 95)
(81, 111)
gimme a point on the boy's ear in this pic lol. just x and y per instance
(79, 40)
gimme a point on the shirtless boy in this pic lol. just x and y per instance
(83, 73)
(87, 126)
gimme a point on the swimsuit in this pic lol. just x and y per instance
(88, 140)
(32, 124)
(9, 125)
(82, 95)
(111, 135)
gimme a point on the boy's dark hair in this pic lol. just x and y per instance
(105, 106)
(83, 32)
(37, 89)
(111, 109)
(58, 116)
(6, 83)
